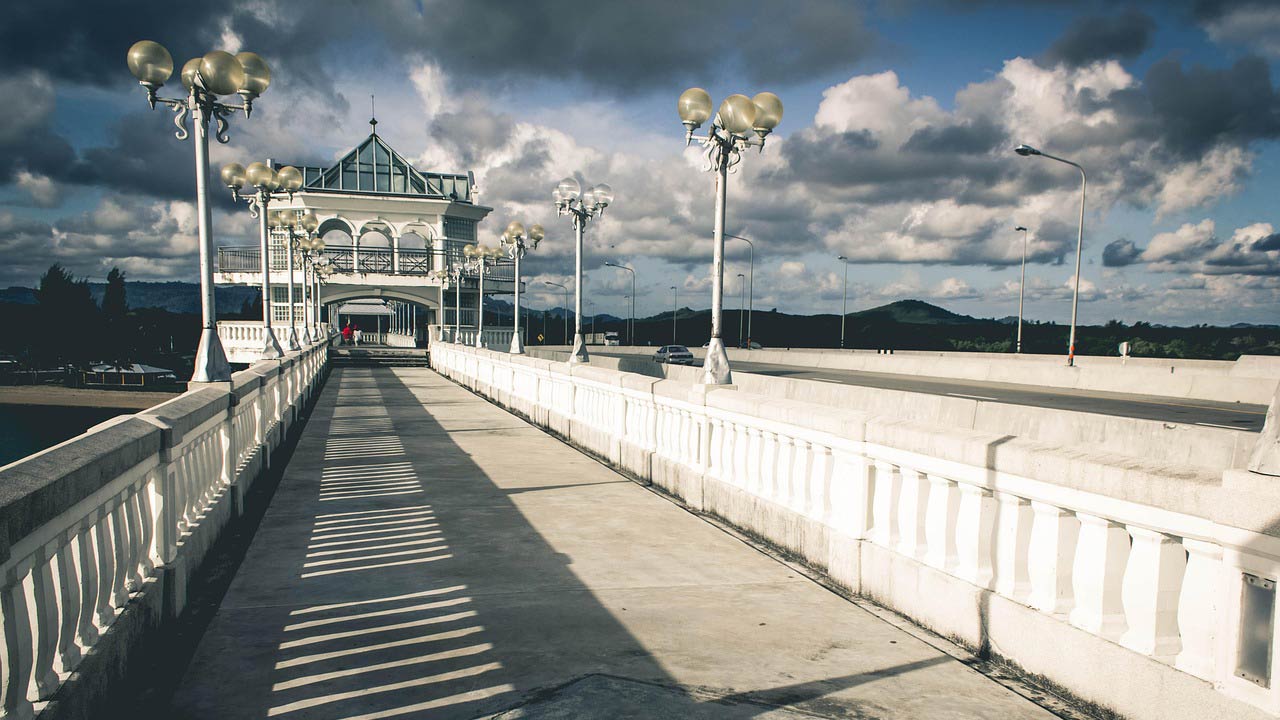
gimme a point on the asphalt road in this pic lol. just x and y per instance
(1232, 416)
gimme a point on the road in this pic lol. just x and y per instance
(1232, 416)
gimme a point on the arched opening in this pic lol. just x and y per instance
(375, 249)
(386, 321)
(416, 254)
(338, 244)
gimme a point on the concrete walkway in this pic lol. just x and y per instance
(428, 555)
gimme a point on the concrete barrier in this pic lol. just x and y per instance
(1121, 581)
(100, 535)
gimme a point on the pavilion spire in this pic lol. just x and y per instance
(373, 117)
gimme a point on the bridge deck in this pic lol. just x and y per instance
(429, 555)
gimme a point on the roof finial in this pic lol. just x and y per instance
(373, 116)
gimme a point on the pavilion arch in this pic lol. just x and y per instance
(384, 294)
(337, 223)
(417, 236)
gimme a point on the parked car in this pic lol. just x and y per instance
(673, 354)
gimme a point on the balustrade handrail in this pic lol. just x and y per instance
(1152, 557)
(86, 524)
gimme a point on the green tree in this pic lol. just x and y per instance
(68, 331)
(114, 302)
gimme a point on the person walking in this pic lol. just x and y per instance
(347, 333)
(356, 330)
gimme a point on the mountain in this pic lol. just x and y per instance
(177, 297)
(916, 312)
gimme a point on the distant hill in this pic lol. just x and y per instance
(177, 297)
(917, 312)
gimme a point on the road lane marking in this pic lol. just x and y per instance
(1216, 425)
(973, 397)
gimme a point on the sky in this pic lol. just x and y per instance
(895, 150)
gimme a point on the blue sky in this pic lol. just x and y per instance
(895, 148)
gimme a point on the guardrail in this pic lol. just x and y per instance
(498, 339)
(104, 531)
(1145, 588)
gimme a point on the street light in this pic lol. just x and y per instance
(205, 78)
(454, 276)
(1025, 151)
(479, 259)
(751, 282)
(514, 244)
(742, 301)
(266, 182)
(566, 305)
(1022, 284)
(581, 207)
(724, 143)
(844, 298)
(675, 307)
(631, 326)
(312, 247)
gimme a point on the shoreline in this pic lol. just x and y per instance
(57, 395)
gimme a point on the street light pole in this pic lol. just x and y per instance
(751, 283)
(516, 242)
(566, 307)
(742, 290)
(724, 143)
(844, 298)
(675, 307)
(205, 78)
(1027, 150)
(1022, 285)
(480, 259)
(581, 207)
(631, 331)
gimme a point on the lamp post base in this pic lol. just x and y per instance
(517, 345)
(480, 339)
(292, 342)
(579, 354)
(211, 360)
(715, 368)
(270, 346)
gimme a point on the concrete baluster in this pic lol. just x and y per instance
(18, 651)
(850, 489)
(1200, 609)
(785, 464)
(105, 613)
(1102, 551)
(913, 505)
(975, 535)
(67, 571)
(42, 595)
(87, 562)
(119, 554)
(941, 514)
(886, 494)
(1050, 556)
(819, 492)
(740, 456)
(800, 468)
(1152, 582)
(134, 549)
(753, 461)
(715, 467)
(1013, 543)
(769, 465)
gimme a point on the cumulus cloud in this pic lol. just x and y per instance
(1094, 38)
(1196, 248)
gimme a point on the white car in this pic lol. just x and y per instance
(673, 354)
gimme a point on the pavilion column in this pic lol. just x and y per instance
(395, 254)
(355, 253)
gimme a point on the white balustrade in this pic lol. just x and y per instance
(70, 571)
(1151, 580)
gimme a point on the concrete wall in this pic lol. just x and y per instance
(100, 535)
(1119, 580)
(1251, 379)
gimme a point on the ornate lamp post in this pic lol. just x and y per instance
(1026, 151)
(728, 137)
(514, 244)
(266, 182)
(479, 259)
(205, 78)
(581, 207)
(298, 233)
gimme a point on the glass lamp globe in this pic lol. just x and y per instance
(275, 181)
(290, 178)
(768, 111)
(469, 251)
(569, 189)
(318, 244)
(310, 222)
(221, 72)
(150, 62)
(277, 218)
(536, 233)
(257, 76)
(694, 107)
(737, 114)
(515, 229)
(259, 175)
(189, 71)
(233, 175)
(603, 194)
